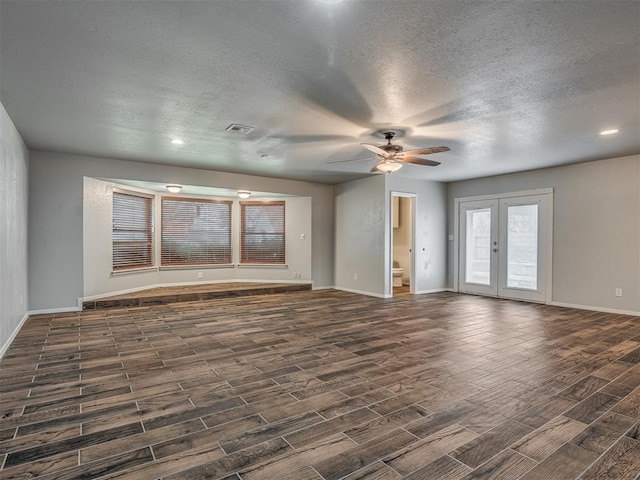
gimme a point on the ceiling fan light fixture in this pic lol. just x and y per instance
(611, 131)
(174, 188)
(244, 194)
(389, 166)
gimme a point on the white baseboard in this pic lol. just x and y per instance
(13, 335)
(434, 290)
(324, 287)
(54, 310)
(595, 309)
(256, 280)
(362, 292)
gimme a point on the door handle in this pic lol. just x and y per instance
(495, 250)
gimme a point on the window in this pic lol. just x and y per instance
(132, 233)
(195, 231)
(262, 232)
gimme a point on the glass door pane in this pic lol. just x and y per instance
(478, 247)
(477, 263)
(523, 243)
(522, 247)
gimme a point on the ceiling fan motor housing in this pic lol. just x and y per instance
(392, 149)
(389, 148)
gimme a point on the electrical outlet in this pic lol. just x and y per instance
(199, 275)
(297, 275)
(355, 276)
(618, 292)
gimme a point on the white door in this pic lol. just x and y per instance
(478, 247)
(504, 247)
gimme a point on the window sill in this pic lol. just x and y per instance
(196, 267)
(262, 265)
(128, 271)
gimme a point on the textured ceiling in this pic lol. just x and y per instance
(508, 86)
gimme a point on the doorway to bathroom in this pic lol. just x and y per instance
(402, 268)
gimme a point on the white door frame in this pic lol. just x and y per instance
(389, 263)
(548, 240)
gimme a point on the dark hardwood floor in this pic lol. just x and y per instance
(324, 385)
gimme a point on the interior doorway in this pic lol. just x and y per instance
(402, 268)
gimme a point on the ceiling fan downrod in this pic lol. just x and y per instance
(389, 136)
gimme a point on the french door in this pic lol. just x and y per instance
(504, 247)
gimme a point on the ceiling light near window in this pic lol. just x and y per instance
(389, 166)
(177, 141)
(244, 194)
(609, 132)
(174, 188)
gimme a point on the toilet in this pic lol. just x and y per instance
(397, 274)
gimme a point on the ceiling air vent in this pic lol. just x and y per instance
(237, 128)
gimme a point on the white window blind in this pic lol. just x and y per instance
(195, 231)
(262, 232)
(132, 232)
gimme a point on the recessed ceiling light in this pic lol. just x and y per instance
(177, 141)
(174, 188)
(609, 132)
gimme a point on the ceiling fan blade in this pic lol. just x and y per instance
(350, 160)
(426, 151)
(374, 149)
(420, 161)
(330, 88)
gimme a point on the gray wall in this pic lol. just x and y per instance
(56, 213)
(361, 213)
(596, 225)
(596, 228)
(14, 170)
(363, 233)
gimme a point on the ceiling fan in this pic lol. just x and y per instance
(391, 157)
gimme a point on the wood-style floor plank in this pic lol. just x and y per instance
(542, 442)
(490, 443)
(319, 385)
(566, 463)
(507, 465)
(444, 468)
(620, 462)
(602, 433)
